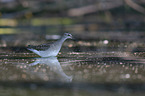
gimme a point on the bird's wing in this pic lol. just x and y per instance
(40, 47)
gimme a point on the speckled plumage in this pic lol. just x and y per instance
(49, 50)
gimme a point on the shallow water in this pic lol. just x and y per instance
(82, 68)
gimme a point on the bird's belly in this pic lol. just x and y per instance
(48, 53)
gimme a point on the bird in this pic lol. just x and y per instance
(49, 50)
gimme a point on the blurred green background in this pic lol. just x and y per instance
(27, 20)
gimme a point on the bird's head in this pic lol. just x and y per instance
(67, 35)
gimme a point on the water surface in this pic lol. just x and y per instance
(82, 68)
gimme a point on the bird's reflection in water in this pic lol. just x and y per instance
(54, 65)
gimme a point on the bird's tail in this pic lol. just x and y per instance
(34, 50)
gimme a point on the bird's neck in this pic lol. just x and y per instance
(61, 40)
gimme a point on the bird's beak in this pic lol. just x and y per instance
(71, 37)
